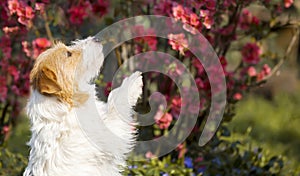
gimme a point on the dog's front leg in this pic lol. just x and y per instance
(122, 99)
(118, 118)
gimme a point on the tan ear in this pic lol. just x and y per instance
(47, 82)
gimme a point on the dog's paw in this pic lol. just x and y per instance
(134, 87)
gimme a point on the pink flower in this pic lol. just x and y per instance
(288, 3)
(266, 69)
(247, 19)
(178, 42)
(100, 7)
(194, 19)
(178, 12)
(251, 71)
(25, 48)
(5, 129)
(176, 106)
(42, 42)
(237, 96)
(163, 119)
(39, 45)
(12, 70)
(149, 155)
(13, 6)
(208, 22)
(40, 7)
(251, 53)
(29, 13)
(8, 30)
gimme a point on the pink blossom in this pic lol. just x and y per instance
(40, 7)
(208, 22)
(194, 19)
(29, 13)
(39, 45)
(12, 70)
(163, 119)
(149, 155)
(176, 106)
(178, 42)
(260, 76)
(8, 30)
(237, 96)
(251, 71)
(13, 6)
(42, 42)
(5, 129)
(266, 69)
(251, 53)
(25, 48)
(182, 150)
(288, 3)
(178, 12)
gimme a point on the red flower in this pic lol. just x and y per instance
(247, 19)
(100, 7)
(251, 53)
(79, 13)
(163, 120)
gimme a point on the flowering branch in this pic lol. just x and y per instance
(285, 57)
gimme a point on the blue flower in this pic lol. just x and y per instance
(188, 162)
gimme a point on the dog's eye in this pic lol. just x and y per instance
(69, 54)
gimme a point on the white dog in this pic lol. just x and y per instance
(61, 85)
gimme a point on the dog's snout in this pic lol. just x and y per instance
(96, 39)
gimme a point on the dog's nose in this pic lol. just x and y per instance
(96, 39)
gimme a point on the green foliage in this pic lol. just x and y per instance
(11, 164)
(158, 167)
(273, 125)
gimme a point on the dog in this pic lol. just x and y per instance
(61, 85)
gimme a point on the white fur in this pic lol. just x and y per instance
(59, 147)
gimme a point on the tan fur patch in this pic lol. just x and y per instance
(54, 73)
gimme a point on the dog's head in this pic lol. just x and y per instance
(66, 71)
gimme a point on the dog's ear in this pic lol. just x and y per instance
(46, 81)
